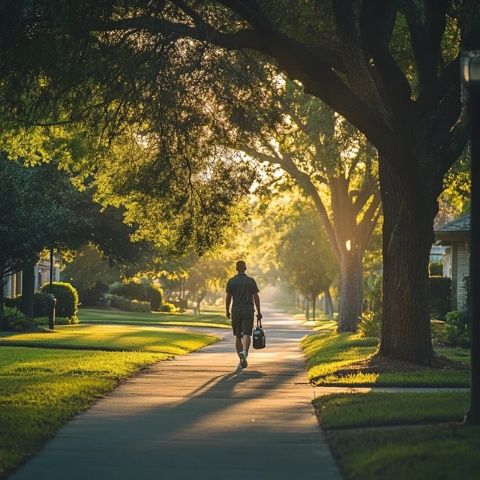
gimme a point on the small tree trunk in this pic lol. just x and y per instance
(198, 306)
(407, 240)
(351, 292)
(28, 289)
(308, 310)
(328, 304)
(314, 304)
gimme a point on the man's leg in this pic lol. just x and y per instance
(246, 343)
(238, 344)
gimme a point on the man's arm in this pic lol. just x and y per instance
(256, 299)
(228, 299)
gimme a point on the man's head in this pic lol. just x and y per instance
(241, 266)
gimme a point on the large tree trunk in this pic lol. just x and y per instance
(407, 240)
(28, 289)
(351, 292)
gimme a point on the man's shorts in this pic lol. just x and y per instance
(242, 321)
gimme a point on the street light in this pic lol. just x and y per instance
(470, 75)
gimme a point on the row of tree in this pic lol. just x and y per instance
(172, 88)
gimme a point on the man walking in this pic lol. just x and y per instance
(244, 292)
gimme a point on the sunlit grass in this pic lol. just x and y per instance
(209, 318)
(433, 452)
(112, 337)
(380, 409)
(41, 388)
(328, 354)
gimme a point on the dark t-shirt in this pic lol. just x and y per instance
(242, 287)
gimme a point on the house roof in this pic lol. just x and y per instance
(456, 230)
(461, 224)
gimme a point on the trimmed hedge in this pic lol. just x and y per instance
(168, 307)
(139, 291)
(41, 301)
(123, 303)
(67, 298)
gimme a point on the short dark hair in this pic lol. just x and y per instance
(241, 266)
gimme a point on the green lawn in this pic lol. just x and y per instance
(112, 337)
(447, 452)
(401, 435)
(210, 318)
(42, 388)
(340, 411)
(329, 356)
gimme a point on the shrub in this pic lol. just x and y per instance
(43, 321)
(440, 296)
(435, 269)
(123, 303)
(370, 324)
(439, 333)
(155, 296)
(143, 292)
(16, 321)
(458, 328)
(41, 301)
(168, 307)
(373, 292)
(67, 298)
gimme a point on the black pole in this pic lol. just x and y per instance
(51, 311)
(470, 72)
(473, 415)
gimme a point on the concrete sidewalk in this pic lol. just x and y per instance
(195, 417)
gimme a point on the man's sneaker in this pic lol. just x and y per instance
(243, 360)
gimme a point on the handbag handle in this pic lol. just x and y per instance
(259, 322)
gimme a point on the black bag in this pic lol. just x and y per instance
(259, 339)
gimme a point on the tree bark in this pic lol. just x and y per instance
(328, 304)
(407, 240)
(351, 292)
(28, 288)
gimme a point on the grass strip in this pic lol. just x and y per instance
(447, 452)
(331, 357)
(209, 319)
(371, 409)
(112, 337)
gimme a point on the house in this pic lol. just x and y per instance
(13, 285)
(455, 237)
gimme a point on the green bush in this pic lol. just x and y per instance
(123, 303)
(41, 301)
(168, 307)
(458, 328)
(143, 292)
(440, 296)
(370, 324)
(16, 321)
(67, 298)
(439, 333)
(155, 296)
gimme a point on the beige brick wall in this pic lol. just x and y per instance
(463, 268)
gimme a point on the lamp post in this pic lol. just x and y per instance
(53, 301)
(470, 75)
